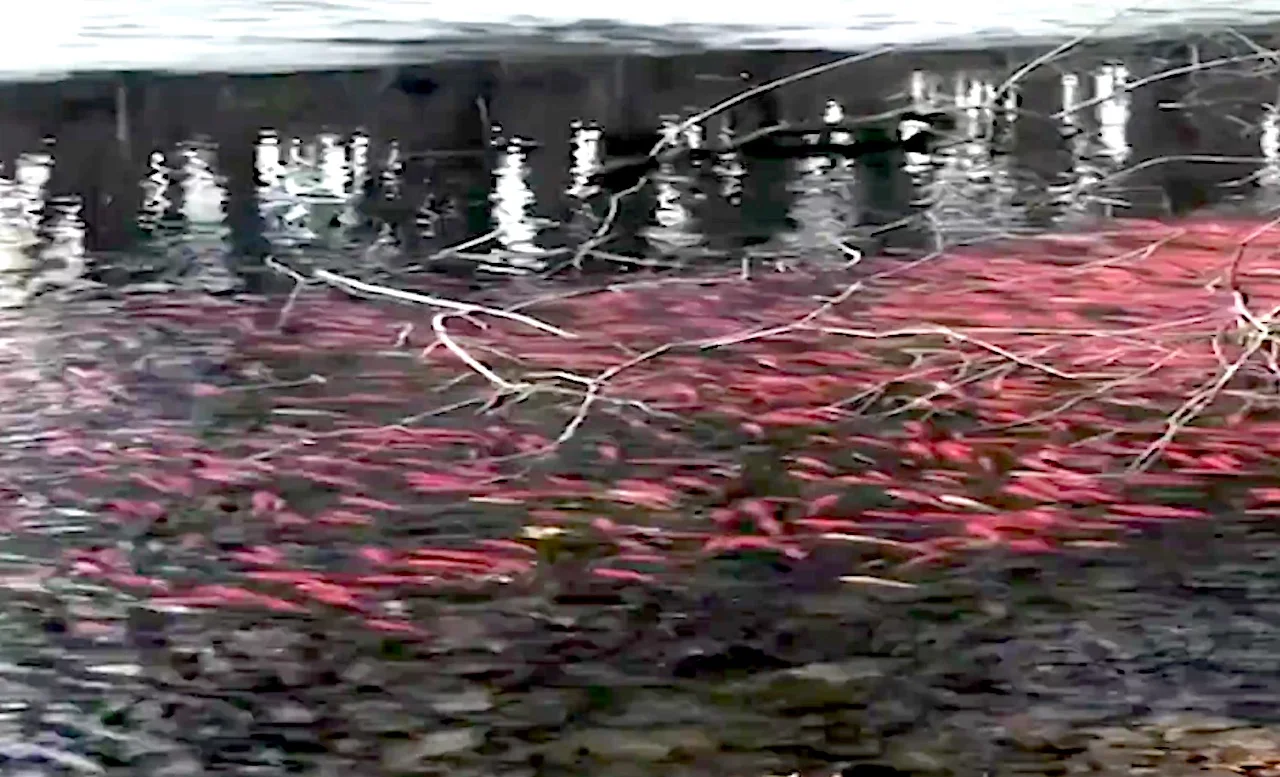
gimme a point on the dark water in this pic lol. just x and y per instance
(396, 165)
(1089, 662)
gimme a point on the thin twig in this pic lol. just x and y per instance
(1194, 67)
(768, 86)
(345, 282)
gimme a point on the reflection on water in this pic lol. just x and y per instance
(96, 684)
(674, 226)
(203, 196)
(514, 211)
(155, 193)
(306, 190)
(1112, 112)
(21, 203)
(969, 187)
(585, 142)
(275, 166)
(1268, 177)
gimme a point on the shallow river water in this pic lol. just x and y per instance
(253, 528)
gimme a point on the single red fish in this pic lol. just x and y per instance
(723, 543)
(165, 483)
(137, 508)
(260, 554)
(395, 627)
(368, 503)
(627, 575)
(328, 593)
(220, 595)
(344, 518)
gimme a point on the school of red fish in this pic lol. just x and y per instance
(1056, 392)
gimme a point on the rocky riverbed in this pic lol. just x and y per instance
(1156, 658)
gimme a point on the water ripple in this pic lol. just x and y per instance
(75, 35)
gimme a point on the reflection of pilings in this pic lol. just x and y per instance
(885, 191)
(1038, 152)
(90, 163)
(439, 110)
(704, 81)
(294, 104)
(1227, 108)
(871, 88)
(561, 94)
(766, 202)
(771, 107)
(123, 139)
(629, 94)
(881, 80)
(440, 103)
(634, 96)
(16, 138)
(1176, 118)
(1086, 90)
(236, 142)
(634, 215)
(1162, 133)
(598, 98)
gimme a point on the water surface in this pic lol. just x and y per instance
(71, 35)
(400, 164)
(1154, 653)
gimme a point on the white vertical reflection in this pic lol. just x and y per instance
(926, 95)
(1270, 140)
(1070, 96)
(823, 192)
(267, 161)
(31, 174)
(392, 170)
(923, 90)
(512, 201)
(203, 196)
(833, 113)
(1113, 111)
(584, 143)
(729, 167)
(307, 187)
(1269, 146)
(22, 198)
(204, 207)
(328, 184)
(64, 255)
(584, 161)
(359, 162)
(673, 221)
(279, 212)
(1098, 141)
(155, 192)
(1084, 171)
(331, 167)
(969, 188)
